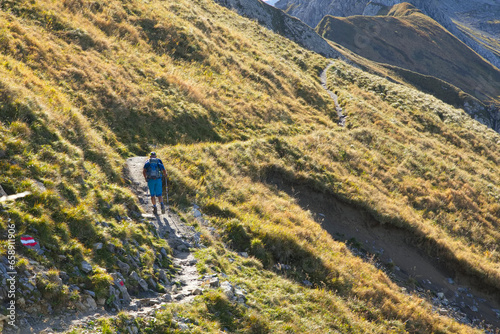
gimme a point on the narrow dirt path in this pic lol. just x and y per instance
(390, 249)
(334, 96)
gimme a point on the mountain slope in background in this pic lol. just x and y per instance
(473, 22)
(407, 38)
(286, 25)
(485, 111)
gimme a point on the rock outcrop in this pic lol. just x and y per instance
(276, 20)
(312, 12)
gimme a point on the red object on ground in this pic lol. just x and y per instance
(28, 241)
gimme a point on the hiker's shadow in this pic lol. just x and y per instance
(165, 226)
(169, 230)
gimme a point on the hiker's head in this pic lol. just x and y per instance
(152, 155)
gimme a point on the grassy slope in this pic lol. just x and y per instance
(407, 159)
(83, 84)
(440, 89)
(411, 40)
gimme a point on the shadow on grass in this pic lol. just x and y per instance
(139, 130)
(409, 259)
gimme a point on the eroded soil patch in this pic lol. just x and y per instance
(393, 250)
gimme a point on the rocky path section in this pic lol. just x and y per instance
(181, 238)
(143, 300)
(334, 96)
(169, 226)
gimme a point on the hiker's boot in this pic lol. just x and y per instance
(155, 210)
(162, 208)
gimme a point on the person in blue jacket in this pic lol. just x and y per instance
(153, 171)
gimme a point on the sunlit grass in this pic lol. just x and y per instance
(229, 103)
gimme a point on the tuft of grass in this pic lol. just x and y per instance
(100, 282)
(52, 289)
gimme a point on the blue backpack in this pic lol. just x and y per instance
(154, 171)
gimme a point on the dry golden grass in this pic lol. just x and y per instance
(85, 84)
(229, 182)
(407, 158)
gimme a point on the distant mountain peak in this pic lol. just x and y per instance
(403, 9)
(474, 22)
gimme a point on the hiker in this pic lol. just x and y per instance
(153, 171)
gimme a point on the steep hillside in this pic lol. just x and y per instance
(473, 22)
(281, 23)
(484, 111)
(478, 23)
(239, 115)
(408, 39)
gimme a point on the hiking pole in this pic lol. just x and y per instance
(166, 191)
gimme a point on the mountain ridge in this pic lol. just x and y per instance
(408, 39)
(454, 16)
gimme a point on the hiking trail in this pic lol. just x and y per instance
(391, 249)
(334, 96)
(170, 227)
(185, 285)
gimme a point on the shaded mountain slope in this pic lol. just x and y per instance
(478, 23)
(473, 22)
(408, 39)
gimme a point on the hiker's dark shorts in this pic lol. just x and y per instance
(155, 187)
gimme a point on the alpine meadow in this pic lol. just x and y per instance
(281, 199)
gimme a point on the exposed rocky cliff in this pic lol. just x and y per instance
(473, 22)
(312, 11)
(281, 23)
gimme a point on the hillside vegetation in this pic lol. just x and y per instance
(229, 105)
